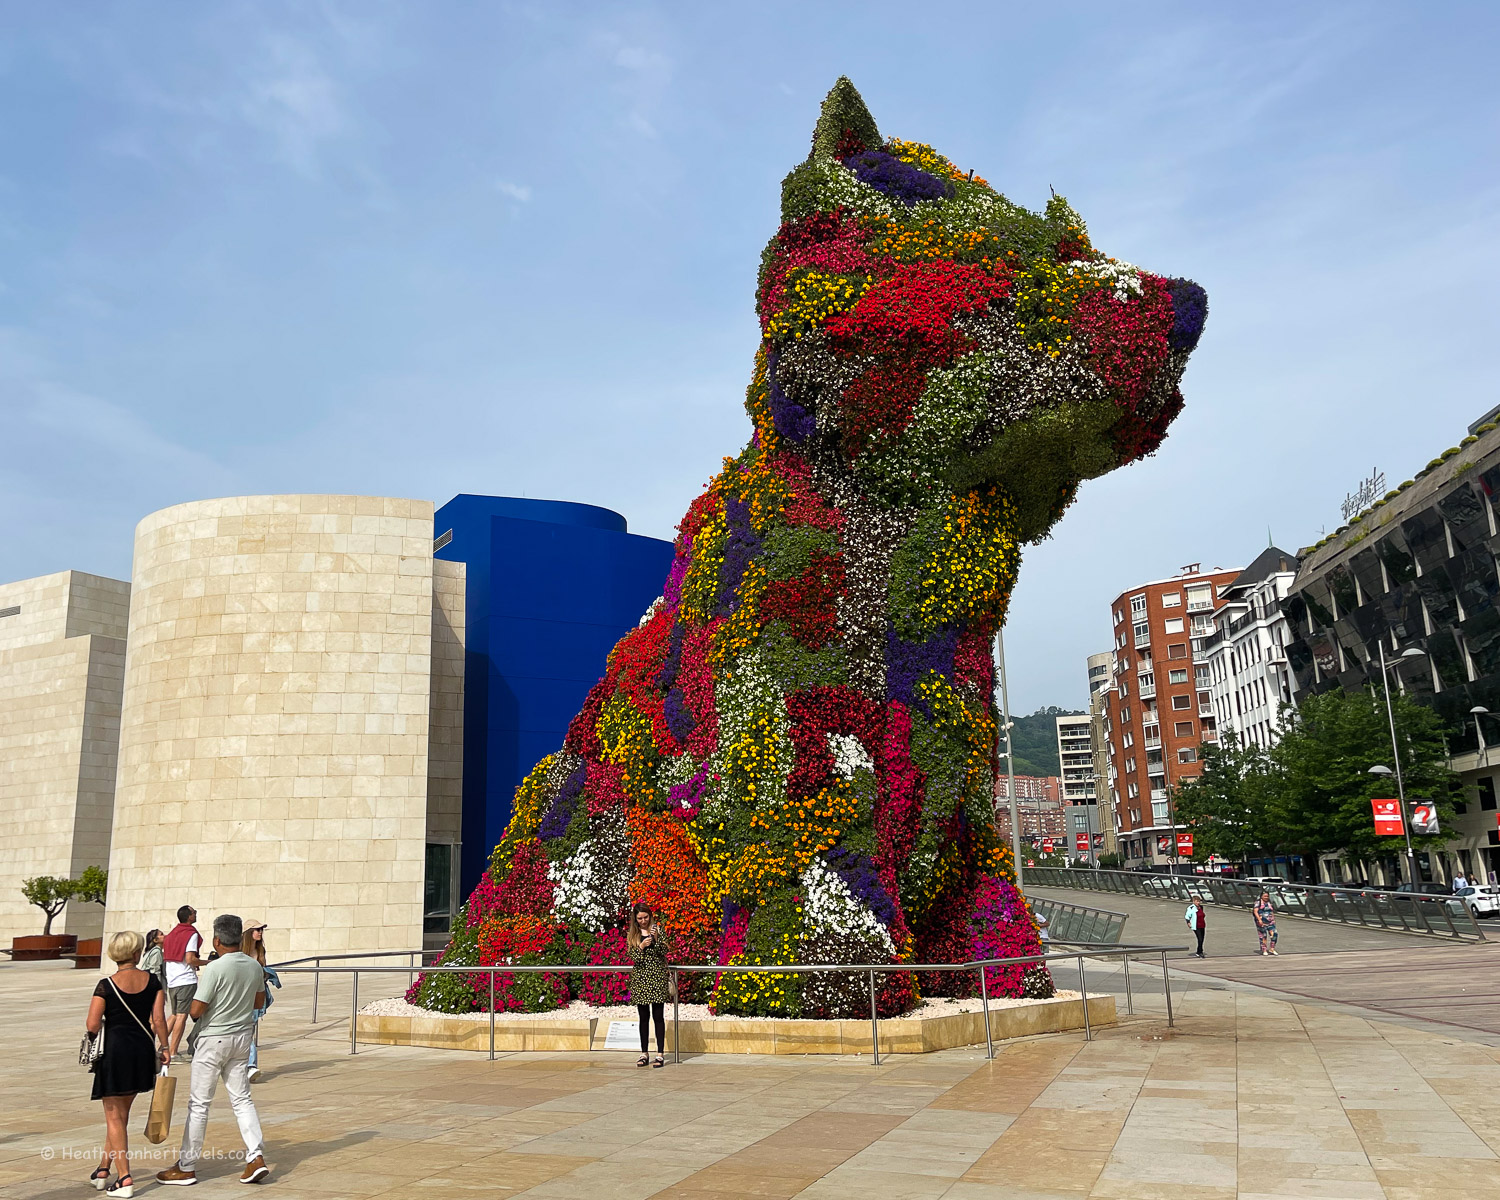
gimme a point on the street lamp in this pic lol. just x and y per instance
(1385, 682)
(1476, 712)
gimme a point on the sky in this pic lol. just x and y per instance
(415, 250)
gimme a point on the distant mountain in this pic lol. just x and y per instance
(1034, 741)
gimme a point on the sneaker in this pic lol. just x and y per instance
(254, 1076)
(255, 1170)
(176, 1175)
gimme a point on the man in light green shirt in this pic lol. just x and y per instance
(230, 989)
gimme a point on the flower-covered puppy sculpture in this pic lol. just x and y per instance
(792, 758)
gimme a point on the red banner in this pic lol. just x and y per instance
(1083, 842)
(1046, 845)
(1184, 843)
(1387, 817)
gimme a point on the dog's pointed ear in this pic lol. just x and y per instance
(845, 125)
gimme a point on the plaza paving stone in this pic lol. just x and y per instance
(1252, 1096)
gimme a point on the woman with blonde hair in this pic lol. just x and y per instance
(254, 945)
(126, 1007)
(648, 980)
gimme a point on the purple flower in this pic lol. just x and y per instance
(907, 663)
(863, 881)
(680, 719)
(667, 676)
(899, 180)
(687, 798)
(671, 592)
(1190, 309)
(742, 545)
(791, 420)
(560, 815)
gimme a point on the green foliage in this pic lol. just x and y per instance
(1110, 862)
(844, 111)
(1323, 804)
(1310, 794)
(1034, 741)
(50, 894)
(92, 886)
(1232, 805)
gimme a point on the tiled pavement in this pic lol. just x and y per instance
(1250, 1097)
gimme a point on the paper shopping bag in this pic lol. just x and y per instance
(159, 1121)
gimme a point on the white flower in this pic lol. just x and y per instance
(831, 908)
(651, 612)
(849, 755)
(1124, 278)
(576, 894)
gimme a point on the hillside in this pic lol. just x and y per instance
(1034, 741)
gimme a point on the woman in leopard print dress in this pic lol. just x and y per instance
(648, 981)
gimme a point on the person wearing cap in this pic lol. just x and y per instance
(255, 947)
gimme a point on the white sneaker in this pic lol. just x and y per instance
(254, 1074)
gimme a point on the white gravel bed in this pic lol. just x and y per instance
(395, 1006)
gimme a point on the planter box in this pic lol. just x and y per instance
(42, 947)
(899, 1035)
(88, 954)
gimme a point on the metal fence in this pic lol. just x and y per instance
(870, 970)
(1408, 912)
(1077, 923)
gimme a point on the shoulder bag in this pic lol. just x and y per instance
(91, 1048)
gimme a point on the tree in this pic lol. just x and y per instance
(50, 894)
(1110, 862)
(92, 886)
(1331, 741)
(1230, 806)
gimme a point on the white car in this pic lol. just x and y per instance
(1482, 899)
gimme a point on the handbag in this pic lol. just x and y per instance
(159, 1120)
(91, 1048)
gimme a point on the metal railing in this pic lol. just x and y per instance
(294, 967)
(1077, 923)
(1402, 912)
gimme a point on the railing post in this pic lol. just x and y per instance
(676, 1012)
(1129, 999)
(317, 979)
(874, 1023)
(984, 999)
(492, 1014)
(354, 1015)
(1166, 983)
(1083, 992)
(411, 976)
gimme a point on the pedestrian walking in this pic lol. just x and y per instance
(1197, 921)
(125, 1009)
(648, 980)
(255, 946)
(180, 950)
(1460, 881)
(230, 989)
(1264, 913)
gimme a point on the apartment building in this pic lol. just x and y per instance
(1159, 710)
(1075, 753)
(1039, 808)
(1249, 679)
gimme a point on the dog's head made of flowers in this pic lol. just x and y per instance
(937, 336)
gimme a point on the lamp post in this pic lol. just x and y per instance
(1386, 668)
(1010, 762)
(1476, 712)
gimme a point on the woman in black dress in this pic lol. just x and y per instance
(128, 1005)
(648, 981)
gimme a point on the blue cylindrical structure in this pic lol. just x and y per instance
(551, 587)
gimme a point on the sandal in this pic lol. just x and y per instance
(124, 1187)
(643, 1060)
(659, 1061)
(100, 1178)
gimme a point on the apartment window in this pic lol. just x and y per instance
(1174, 624)
(1187, 755)
(1177, 650)
(1200, 597)
(1119, 617)
(1171, 599)
(1142, 633)
(1183, 729)
(1138, 605)
(1487, 795)
(1201, 675)
(1129, 739)
(1181, 702)
(1177, 676)
(1132, 789)
(1130, 767)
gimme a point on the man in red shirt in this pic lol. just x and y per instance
(1197, 921)
(180, 951)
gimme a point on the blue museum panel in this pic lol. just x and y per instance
(551, 587)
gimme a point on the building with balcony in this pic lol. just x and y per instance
(1075, 753)
(1039, 808)
(1158, 709)
(1418, 570)
(1249, 680)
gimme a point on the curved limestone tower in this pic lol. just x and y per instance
(275, 746)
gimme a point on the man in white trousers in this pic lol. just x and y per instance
(230, 989)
